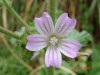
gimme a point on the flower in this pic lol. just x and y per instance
(53, 37)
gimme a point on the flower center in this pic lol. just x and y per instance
(53, 40)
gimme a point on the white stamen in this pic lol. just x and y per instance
(53, 40)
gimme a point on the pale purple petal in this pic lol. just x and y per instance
(48, 22)
(69, 47)
(53, 57)
(44, 24)
(64, 25)
(36, 42)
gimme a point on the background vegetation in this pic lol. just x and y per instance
(15, 60)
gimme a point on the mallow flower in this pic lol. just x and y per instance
(53, 38)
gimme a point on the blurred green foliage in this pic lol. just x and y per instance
(87, 32)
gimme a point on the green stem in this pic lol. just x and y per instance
(50, 71)
(51, 8)
(92, 7)
(9, 33)
(9, 7)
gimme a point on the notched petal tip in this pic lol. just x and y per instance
(79, 46)
(69, 47)
(46, 14)
(64, 25)
(64, 14)
(44, 24)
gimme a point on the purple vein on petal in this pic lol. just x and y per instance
(70, 26)
(40, 27)
(48, 22)
(68, 53)
(59, 22)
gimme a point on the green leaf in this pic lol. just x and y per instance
(83, 37)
